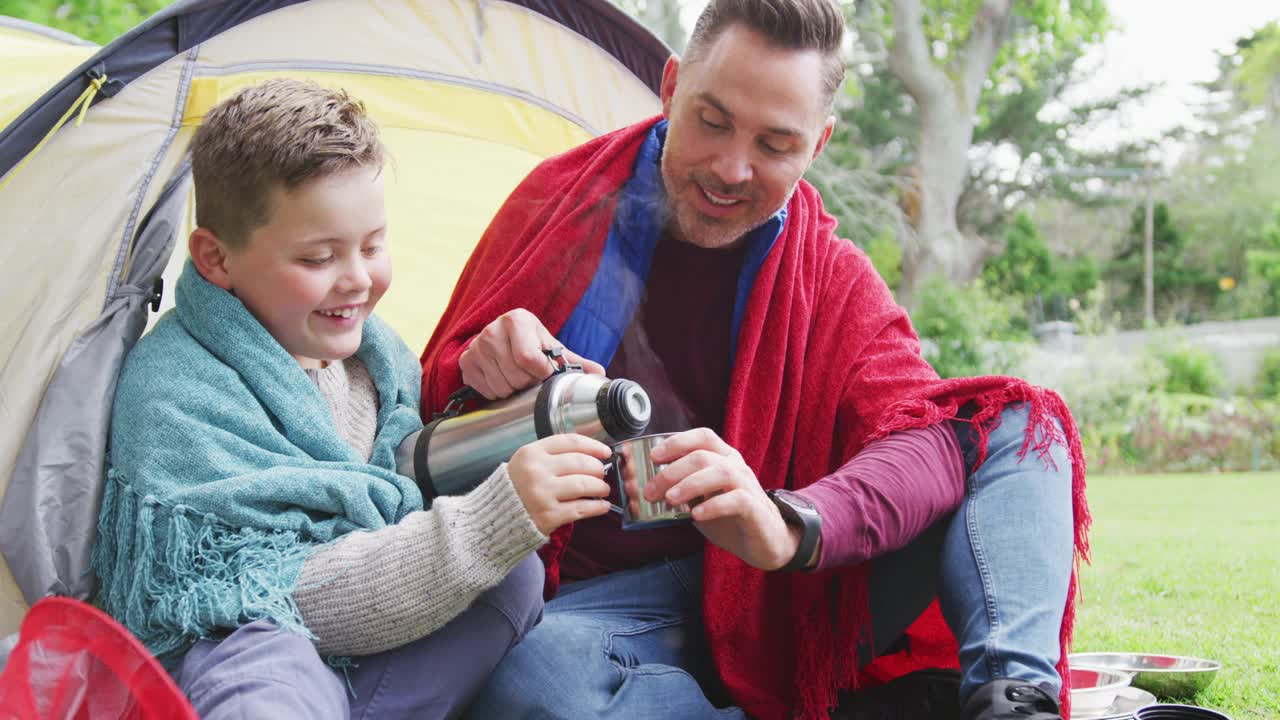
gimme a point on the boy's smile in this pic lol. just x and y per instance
(314, 272)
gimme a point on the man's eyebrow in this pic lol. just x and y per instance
(713, 102)
(710, 99)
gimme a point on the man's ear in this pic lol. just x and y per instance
(210, 257)
(827, 127)
(668, 88)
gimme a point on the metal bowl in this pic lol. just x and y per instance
(1165, 676)
(1094, 690)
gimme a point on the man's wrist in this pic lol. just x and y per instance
(804, 528)
(796, 534)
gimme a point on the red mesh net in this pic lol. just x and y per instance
(73, 662)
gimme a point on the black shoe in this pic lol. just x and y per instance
(921, 695)
(1009, 699)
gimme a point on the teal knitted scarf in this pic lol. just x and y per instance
(225, 470)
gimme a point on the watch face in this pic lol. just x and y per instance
(795, 500)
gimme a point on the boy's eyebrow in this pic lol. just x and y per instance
(710, 99)
(329, 239)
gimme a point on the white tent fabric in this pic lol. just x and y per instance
(470, 95)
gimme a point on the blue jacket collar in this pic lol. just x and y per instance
(598, 323)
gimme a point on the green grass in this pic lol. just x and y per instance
(1190, 565)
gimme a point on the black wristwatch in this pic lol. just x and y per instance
(797, 510)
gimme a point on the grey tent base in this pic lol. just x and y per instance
(61, 464)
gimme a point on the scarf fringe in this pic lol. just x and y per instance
(174, 576)
(1042, 433)
(825, 671)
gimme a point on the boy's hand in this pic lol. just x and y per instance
(507, 356)
(560, 479)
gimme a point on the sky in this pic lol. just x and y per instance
(1172, 43)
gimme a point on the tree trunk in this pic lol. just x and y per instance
(942, 250)
(947, 101)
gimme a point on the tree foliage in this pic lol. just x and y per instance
(1264, 269)
(1022, 127)
(1028, 270)
(1182, 288)
(1225, 189)
(1257, 77)
(99, 21)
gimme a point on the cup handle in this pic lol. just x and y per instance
(609, 467)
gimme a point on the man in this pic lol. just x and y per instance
(839, 483)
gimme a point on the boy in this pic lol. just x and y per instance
(253, 524)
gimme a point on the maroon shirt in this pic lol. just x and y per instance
(677, 348)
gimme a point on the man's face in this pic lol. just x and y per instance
(746, 120)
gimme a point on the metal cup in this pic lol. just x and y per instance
(630, 469)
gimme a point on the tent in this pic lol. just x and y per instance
(33, 57)
(470, 95)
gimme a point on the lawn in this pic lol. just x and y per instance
(1190, 565)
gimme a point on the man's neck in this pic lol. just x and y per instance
(671, 229)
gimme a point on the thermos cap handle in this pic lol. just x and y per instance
(460, 397)
(466, 393)
(556, 353)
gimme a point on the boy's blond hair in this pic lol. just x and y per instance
(280, 132)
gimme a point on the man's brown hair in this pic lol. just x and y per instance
(790, 24)
(280, 132)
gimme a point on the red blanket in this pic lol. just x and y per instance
(826, 362)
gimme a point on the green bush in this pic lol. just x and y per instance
(886, 256)
(967, 330)
(1028, 270)
(1192, 370)
(1269, 376)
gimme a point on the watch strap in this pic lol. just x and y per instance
(811, 529)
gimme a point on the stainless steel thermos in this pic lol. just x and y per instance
(456, 452)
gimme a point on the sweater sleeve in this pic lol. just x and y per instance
(373, 591)
(888, 494)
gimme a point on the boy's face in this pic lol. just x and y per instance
(314, 272)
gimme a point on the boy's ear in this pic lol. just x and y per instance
(210, 257)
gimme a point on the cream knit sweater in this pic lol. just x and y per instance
(373, 591)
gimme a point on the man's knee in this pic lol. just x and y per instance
(1031, 439)
(261, 671)
(558, 670)
(519, 595)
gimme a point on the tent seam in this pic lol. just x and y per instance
(403, 72)
(175, 126)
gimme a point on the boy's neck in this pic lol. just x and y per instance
(311, 363)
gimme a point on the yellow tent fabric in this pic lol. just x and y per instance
(435, 210)
(31, 61)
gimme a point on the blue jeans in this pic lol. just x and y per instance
(260, 671)
(631, 644)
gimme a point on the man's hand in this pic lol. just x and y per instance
(560, 479)
(507, 356)
(730, 507)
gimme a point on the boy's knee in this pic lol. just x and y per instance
(519, 595)
(260, 670)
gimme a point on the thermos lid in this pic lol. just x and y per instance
(624, 408)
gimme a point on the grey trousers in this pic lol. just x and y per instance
(260, 672)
